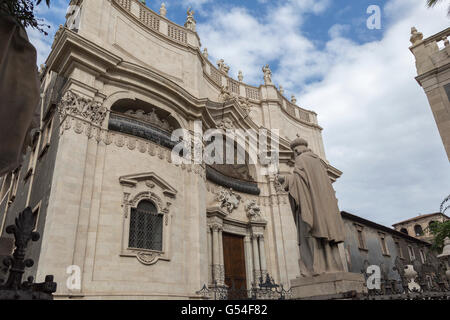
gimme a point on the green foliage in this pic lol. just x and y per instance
(432, 3)
(440, 230)
(23, 12)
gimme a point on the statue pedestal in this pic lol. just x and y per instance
(326, 285)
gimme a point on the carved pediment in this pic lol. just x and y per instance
(151, 180)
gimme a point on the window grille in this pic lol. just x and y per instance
(146, 227)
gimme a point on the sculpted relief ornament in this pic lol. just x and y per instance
(151, 117)
(244, 103)
(225, 124)
(225, 94)
(228, 199)
(253, 211)
(75, 105)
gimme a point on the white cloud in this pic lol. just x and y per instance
(378, 124)
(338, 30)
(247, 42)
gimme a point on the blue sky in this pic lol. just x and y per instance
(378, 126)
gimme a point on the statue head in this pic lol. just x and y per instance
(299, 145)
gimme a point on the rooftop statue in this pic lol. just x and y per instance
(240, 76)
(190, 21)
(267, 74)
(222, 66)
(316, 213)
(416, 36)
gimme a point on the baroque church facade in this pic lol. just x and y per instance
(108, 197)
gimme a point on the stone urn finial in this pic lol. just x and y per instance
(163, 10)
(294, 99)
(416, 37)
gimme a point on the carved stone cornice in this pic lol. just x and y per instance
(108, 137)
(76, 105)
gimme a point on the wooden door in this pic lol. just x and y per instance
(234, 260)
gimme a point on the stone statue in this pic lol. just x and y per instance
(267, 74)
(316, 213)
(224, 94)
(240, 76)
(163, 10)
(222, 66)
(190, 21)
(416, 36)
(205, 53)
(281, 90)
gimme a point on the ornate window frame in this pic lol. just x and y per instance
(147, 186)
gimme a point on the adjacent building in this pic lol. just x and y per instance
(433, 74)
(419, 226)
(368, 243)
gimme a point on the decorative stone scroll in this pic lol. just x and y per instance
(73, 104)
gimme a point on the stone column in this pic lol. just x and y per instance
(210, 254)
(216, 259)
(248, 260)
(256, 266)
(221, 263)
(262, 255)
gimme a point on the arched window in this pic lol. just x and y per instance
(418, 230)
(146, 227)
(404, 230)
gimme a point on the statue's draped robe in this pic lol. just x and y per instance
(316, 214)
(19, 93)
